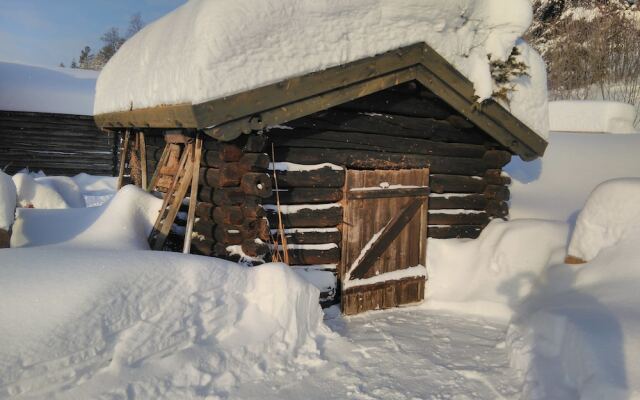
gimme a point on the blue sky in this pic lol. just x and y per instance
(47, 32)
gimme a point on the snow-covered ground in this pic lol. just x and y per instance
(81, 316)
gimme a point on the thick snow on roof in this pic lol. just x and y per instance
(208, 49)
(43, 89)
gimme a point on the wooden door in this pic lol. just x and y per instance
(384, 239)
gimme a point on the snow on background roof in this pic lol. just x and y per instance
(44, 89)
(208, 49)
(591, 116)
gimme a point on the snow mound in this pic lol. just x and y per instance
(236, 46)
(492, 274)
(592, 116)
(557, 186)
(8, 199)
(37, 190)
(141, 324)
(611, 213)
(578, 336)
(34, 194)
(47, 90)
(122, 223)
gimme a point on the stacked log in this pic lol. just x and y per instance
(233, 182)
(311, 215)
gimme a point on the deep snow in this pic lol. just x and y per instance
(591, 116)
(236, 46)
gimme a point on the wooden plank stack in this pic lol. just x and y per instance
(58, 144)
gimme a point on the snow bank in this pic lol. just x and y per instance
(141, 324)
(8, 200)
(578, 336)
(32, 193)
(611, 213)
(492, 274)
(557, 186)
(51, 192)
(236, 46)
(592, 116)
(44, 89)
(122, 223)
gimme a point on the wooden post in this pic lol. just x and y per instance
(193, 198)
(123, 157)
(143, 159)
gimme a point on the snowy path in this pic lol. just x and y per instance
(403, 354)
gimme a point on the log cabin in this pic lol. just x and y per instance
(46, 122)
(344, 173)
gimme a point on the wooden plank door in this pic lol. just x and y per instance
(384, 239)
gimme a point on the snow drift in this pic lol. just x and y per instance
(122, 223)
(8, 199)
(235, 46)
(592, 116)
(578, 335)
(611, 214)
(125, 324)
(492, 274)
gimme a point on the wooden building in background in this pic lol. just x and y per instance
(355, 166)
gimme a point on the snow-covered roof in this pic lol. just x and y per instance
(209, 49)
(48, 90)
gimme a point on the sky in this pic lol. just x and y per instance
(48, 32)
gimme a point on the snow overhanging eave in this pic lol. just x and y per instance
(228, 117)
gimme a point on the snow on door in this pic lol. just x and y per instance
(384, 239)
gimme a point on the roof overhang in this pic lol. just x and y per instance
(228, 117)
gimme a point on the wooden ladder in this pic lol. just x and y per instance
(179, 180)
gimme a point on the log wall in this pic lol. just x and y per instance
(58, 144)
(406, 127)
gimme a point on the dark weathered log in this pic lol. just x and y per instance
(203, 247)
(359, 159)
(211, 159)
(204, 227)
(440, 183)
(325, 177)
(255, 143)
(307, 218)
(299, 256)
(254, 162)
(454, 232)
(311, 236)
(438, 218)
(231, 215)
(401, 126)
(496, 192)
(498, 209)
(256, 184)
(228, 175)
(398, 103)
(5, 239)
(228, 235)
(253, 212)
(255, 248)
(306, 196)
(205, 210)
(229, 152)
(469, 202)
(497, 158)
(496, 177)
(305, 138)
(263, 230)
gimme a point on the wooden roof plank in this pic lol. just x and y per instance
(298, 109)
(216, 112)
